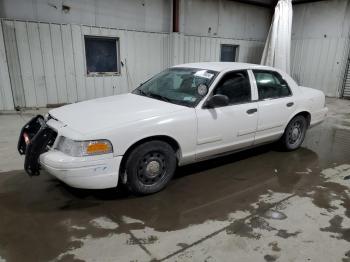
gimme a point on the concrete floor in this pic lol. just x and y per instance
(258, 205)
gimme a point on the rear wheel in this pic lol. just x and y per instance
(150, 166)
(294, 134)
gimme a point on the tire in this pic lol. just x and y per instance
(150, 167)
(294, 133)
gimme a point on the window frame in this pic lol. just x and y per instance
(236, 52)
(211, 93)
(103, 74)
(273, 72)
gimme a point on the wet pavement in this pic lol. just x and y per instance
(257, 205)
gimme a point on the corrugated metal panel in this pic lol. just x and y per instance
(204, 49)
(26, 64)
(67, 43)
(79, 61)
(145, 15)
(13, 64)
(59, 65)
(177, 48)
(346, 91)
(37, 60)
(320, 44)
(6, 99)
(47, 61)
(318, 63)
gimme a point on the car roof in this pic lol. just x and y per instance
(222, 66)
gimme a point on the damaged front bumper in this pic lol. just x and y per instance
(35, 138)
(37, 142)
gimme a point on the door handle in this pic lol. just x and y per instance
(290, 104)
(252, 111)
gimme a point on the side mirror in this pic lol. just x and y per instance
(217, 101)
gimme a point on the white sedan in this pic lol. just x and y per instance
(185, 114)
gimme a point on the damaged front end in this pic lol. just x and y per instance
(35, 138)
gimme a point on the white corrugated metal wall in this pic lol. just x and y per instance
(44, 62)
(346, 87)
(204, 49)
(319, 63)
(141, 15)
(190, 48)
(6, 99)
(47, 61)
(320, 44)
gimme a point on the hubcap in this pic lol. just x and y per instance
(295, 133)
(153, 168)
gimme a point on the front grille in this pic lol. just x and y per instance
(40, 144)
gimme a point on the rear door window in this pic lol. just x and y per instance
(270, 85)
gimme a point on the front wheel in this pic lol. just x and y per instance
(150, 166)
(294, 134)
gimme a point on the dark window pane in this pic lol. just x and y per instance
(271, 85)
(228, 53)
(101, 54)
(235, 86)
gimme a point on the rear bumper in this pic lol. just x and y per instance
(93, 172)
(318, 117)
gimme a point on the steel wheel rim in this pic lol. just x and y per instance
(295, 132)
(151, 168)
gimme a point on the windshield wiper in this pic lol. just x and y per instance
(141, 92)
(156, 96)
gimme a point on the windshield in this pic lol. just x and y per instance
(177, 85)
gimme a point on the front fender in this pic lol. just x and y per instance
(179, 126)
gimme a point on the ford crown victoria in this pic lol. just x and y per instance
(185, 114)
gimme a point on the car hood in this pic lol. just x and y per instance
(100, 114)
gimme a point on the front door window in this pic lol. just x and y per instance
(236, 86)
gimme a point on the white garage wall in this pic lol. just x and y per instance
(47, 61)
(320, 44)
(52, 61)
(205, 49)
(6, 99)
(42, 51)
(226, 19)
(189, 48)
(142, 15)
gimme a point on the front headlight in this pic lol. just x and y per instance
(84, 148)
